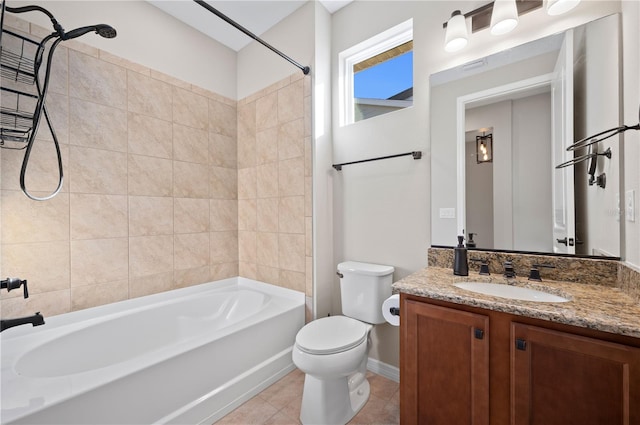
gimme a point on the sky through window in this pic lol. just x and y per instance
(385, 79)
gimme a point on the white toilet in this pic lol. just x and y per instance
(332, 351)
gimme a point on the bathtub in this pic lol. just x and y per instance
(186, 356)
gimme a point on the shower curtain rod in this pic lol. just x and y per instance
(304, 69)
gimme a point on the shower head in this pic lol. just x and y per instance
(106, 31)
(103, 30)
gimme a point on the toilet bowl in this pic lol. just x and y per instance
(335, 386)
(333, 351)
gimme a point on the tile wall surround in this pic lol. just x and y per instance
(568, 269)
(274, 185)
(166, 185)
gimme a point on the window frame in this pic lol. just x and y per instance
(373, 46)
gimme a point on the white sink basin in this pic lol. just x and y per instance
(512, 292)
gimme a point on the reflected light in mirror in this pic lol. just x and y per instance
(484, 148)
(558, 7)
(504, 17)
(456, 36)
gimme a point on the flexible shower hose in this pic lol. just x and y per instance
(42, 92)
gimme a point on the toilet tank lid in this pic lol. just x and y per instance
(365, 268)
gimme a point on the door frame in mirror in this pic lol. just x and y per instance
(477, 99)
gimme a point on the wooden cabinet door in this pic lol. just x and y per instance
(560, 378)
(444, 366)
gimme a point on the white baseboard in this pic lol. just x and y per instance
(383, 369)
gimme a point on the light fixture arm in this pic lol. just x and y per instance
(481, 17)
(487, 8)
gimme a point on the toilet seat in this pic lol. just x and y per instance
(331, 335)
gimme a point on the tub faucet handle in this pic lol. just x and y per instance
(14, 283)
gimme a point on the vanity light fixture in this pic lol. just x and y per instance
(504, 17)
(484, 148)
(501, 16)
(558, 7)
(456, 37)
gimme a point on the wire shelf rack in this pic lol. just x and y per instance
(24, 84)
(22, 101)
(20, 57)
(16, 117)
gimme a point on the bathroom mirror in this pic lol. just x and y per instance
(535, 99)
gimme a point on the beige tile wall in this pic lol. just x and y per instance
(150, 200)
(274, 185)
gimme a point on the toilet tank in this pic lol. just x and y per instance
(363, 289)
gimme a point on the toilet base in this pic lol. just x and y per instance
(333, 401)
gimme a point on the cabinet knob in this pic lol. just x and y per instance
(478, 333)
(521, 344)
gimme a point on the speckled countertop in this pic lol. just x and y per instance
(598, 307)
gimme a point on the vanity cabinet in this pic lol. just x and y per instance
(445, 373)
(460, 364)
(568, 379)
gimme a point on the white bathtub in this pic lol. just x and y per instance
(187, 356)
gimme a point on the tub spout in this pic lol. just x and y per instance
(36, 320)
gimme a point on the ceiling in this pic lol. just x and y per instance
(257, 16)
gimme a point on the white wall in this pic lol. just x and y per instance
(259, 67)
(498, 116)
(381, 205)
(597, 108)
(149, 37)
(324, 268)
(631, 93)
(532, 209)
(479, 196)
(522, 171)
(382, 208)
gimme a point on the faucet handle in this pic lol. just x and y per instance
(484, 266)
(534, 273)
(509, 271)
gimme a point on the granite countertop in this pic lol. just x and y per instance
(598, 307)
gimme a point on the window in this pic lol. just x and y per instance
(377, 75)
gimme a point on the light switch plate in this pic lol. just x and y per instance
(447, 213)
(630, 205)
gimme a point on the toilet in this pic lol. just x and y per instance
(333, 351)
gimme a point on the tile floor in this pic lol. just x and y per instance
(280, 404)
